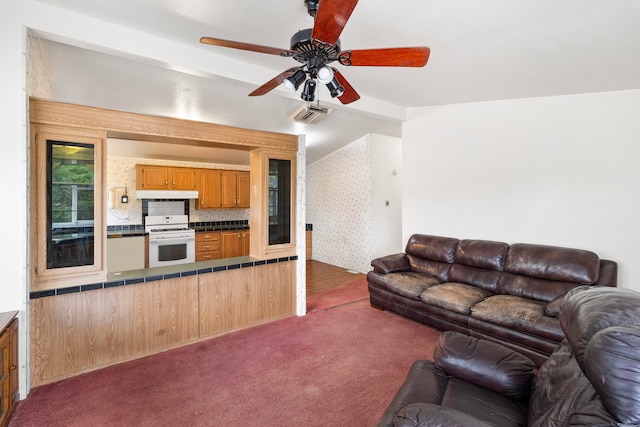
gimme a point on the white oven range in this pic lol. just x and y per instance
(171, 241)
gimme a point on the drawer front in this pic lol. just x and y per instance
(207, 256)
(207, 237)
(207, 246)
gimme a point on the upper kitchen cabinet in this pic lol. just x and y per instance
(68, 236)
(235, 189)
(209, 194)
(222, 189)
(151, 177)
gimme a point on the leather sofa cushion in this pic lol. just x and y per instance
(484, 254)
(561, 395)
(431, 415)
(553, 263)
(484, 404)
(407, 283)
(456, 297)
(484, 363)
(427, 383)
(434, 248)
(531, 287)
(585, 311)
(612, 364)
(429, 267)
(485, 279)
(520, 314)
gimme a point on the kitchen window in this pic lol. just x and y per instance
(67, 204)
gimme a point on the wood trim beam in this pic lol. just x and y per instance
(122, 124)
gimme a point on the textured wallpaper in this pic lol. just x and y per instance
(339, 206)
(121, 173)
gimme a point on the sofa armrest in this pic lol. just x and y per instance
(391, 263)
(552, 308)
(485, 364)
(432, 415)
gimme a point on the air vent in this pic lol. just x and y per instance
(309, 114)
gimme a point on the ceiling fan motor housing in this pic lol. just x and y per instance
(314, 53)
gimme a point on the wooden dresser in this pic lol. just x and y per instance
(8, 365)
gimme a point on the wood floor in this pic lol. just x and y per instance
(322, 277)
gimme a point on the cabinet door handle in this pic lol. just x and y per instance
(12, 367)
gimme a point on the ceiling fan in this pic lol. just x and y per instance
(319, 46)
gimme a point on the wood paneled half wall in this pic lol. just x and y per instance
(83, 331)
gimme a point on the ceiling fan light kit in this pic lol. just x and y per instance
(309, 91)
(319, 46)
(295, 80)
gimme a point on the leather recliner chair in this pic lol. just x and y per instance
(591, 379)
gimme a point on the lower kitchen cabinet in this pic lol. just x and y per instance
(207, 245)
(234, 243)
(126, 253)
(9, 366)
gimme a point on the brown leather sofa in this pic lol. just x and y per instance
(591, 379)
(509, 294)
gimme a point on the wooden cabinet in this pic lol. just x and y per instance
(235, 189)
(209, 195)
(151, 177)
(234, 243)
(8, 366)
(207, 245)
(309, 243)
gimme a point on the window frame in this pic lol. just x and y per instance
(45, 277)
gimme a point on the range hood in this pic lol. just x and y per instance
(166, 194)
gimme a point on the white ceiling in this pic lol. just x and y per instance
(480, 51)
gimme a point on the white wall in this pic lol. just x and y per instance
(559, 170)
(386, 186)
(346, 194)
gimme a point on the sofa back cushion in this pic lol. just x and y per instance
(545, 272)
(432, 248)
(553, 263)
(429, 267)
(431, 255)
(479, 263)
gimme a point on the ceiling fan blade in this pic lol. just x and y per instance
(247, 46)
(391, 57)
(331, 18)
(273, 83)
(350, 93)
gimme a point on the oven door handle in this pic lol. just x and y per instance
(171, 240)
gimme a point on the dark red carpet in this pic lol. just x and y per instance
(333, 367)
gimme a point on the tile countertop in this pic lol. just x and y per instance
(132, 277)
(180, 270)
